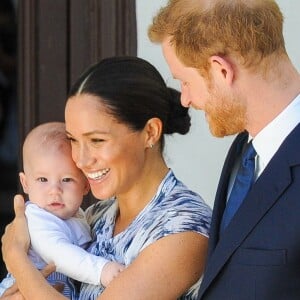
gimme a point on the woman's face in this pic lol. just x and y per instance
(109, 153)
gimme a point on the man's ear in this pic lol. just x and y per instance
(222, 69)
(23, 181)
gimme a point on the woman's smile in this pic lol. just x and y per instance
(98, 174)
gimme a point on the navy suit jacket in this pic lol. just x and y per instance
(258, 254)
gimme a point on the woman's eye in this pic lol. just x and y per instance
(67, 179)
(42, 179)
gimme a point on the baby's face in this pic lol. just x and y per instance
(54, 183)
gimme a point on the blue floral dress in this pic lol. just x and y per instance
(173, 209)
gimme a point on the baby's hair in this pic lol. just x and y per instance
(51, 135)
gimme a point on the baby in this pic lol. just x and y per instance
(57, 226)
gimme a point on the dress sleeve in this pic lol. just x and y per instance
(53, 240)
(182, 212)
(191, 214)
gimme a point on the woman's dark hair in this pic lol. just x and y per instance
(134, 92)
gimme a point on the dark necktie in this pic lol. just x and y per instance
(241, 186)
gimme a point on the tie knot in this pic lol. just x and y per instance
(249, 154)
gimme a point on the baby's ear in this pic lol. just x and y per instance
(23, 181)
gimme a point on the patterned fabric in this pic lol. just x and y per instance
(69, 287)
(173, 209)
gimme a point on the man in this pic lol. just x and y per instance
(232, 63)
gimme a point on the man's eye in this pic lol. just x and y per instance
(42, 179)
(97, 140)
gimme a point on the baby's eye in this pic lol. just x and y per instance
(71, 139)
(67, 179)
(42, 179)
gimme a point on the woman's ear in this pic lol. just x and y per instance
(153, 129)
(86, 188)
(23, 181)
(222, 69)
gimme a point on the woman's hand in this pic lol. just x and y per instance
(15, 296)
(16, 237)
(13, 292)
(15, 243)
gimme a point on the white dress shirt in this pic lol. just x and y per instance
(269, 139)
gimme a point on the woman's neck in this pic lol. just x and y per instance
(131, 204)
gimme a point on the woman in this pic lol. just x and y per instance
(116, 116)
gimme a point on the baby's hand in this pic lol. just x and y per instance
(109, 272)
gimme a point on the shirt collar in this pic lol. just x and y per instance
(269, 139)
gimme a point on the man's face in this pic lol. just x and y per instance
(225, 112)
(193, 86)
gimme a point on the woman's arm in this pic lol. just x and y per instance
(163, 270)
(13, 292)
(15, 244)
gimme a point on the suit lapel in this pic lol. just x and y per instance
(263, 195)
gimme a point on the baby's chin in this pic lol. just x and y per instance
(62, 214)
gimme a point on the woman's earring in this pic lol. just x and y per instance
(151, 145)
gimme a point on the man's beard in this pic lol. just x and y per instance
(225, 114)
